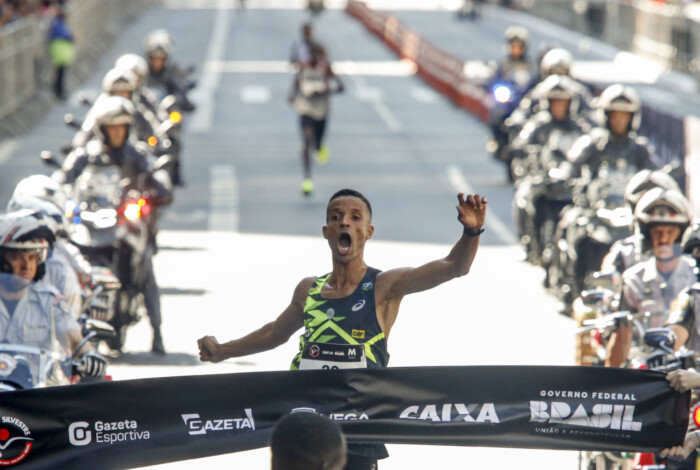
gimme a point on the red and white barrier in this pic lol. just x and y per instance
(441, 70)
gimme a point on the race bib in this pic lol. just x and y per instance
(333, 356)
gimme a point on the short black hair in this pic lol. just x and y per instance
(351, 193)
(304, 441)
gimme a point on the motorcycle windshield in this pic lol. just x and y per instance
(34, 335)
(98, 188)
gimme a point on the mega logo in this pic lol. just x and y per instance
(15, 440)
(81, 433)
(350, 416)
(453, 412)
(599, 416)
(197, 426)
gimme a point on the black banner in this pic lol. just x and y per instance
(146, 422)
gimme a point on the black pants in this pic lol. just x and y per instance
(356, 462)
(315, 129)
(58, 84)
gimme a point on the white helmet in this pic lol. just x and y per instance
(517, 34)
(661, 206)
(136, 64)
(42, 187)
(119, 79)
(53, 216)
(620, 98)
(158, 43)
(556, 62)
(645, 180)
(559, 87)
(25, 230)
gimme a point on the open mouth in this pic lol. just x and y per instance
(344, 243)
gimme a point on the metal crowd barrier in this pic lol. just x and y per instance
(25, 66)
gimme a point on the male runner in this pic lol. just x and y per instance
(354, 304)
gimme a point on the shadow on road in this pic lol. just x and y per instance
(150, 359)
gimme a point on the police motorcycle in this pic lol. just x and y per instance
(546, 191)
(36, 364)
(509, 82)
(114, 223)
(587, 231)
(653, 349)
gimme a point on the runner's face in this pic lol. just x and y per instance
(348, 227)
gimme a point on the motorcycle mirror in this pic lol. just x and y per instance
(168, 102)
(98, 330)
(592, 297)
(661, 338)
(48, 158)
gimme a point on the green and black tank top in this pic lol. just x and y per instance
(350, 320)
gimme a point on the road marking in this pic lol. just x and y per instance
(223, 203)
(373, 96)
(255, 94)
(7, 148)
(203, 95)
(459, 182)
(379, 68)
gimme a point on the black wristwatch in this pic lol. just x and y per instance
(471, 233)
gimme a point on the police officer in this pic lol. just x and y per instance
(651, 286)
(117, 82)
(627, 252)
(614, 145)
(686, 308)
(112, 122)
(163, 73)
(59, 270)
(31, 312)
(542, 144)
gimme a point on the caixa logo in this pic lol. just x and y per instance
(453, 412)
(197, 426)
(601, 415)
(15, 440)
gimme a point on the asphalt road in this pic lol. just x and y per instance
(240, 235)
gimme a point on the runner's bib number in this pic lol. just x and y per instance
(333, 356)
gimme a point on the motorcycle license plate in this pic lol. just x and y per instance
(333, 356)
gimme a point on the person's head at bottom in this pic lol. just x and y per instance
(307, 441)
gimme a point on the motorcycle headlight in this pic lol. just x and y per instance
(132, 211)
(502, 93)
(175, 117)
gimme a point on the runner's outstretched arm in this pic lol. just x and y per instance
(403, 281)
(268, 337)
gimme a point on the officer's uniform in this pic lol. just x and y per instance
(60, 274)
(644, 289)
(38, 313)
(344, 334)
(685, 311)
